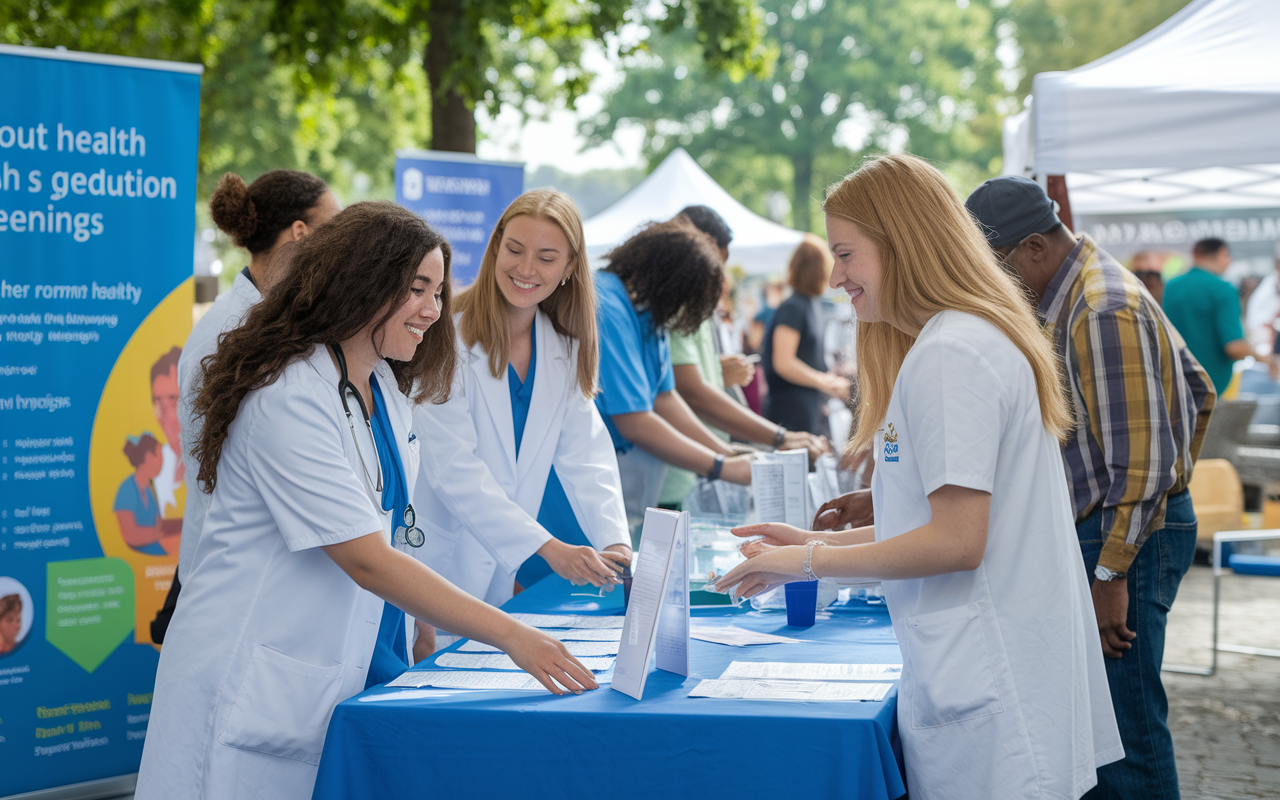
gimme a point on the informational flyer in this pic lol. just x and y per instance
(97, 223)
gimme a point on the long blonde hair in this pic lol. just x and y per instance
(571, 308)
(933, 258)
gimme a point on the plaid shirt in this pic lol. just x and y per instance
(1140, 400)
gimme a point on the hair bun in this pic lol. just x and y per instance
(232, 210)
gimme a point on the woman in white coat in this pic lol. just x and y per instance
(1003, 690)
(306, 447)
(518, 475)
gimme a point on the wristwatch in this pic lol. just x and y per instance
(1103, 574)
(714, 474)
(780, 437)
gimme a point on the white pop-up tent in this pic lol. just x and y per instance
(1185, 117)
(762, 247)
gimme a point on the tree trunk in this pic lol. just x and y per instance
(453, 120)
(802, 184)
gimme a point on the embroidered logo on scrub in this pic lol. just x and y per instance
(890, 444)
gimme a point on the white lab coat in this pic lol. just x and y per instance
(1003, 691)
(224, 315)
(477, 503)
(271, 634)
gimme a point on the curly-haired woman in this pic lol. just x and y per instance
(667, 277)
(307, 452)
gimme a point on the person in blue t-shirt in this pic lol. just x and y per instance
(137, 508)
(667, 277)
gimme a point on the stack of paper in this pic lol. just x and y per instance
(738, 637)
(569, 621)
(771, 680)
(503, 661)
(779, 483)
(577, 649)
(440, 679)
(813, 691)
(775, 670)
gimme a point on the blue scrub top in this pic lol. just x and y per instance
(389, 656)
(555, 514)
(635, 359)
(145, 508)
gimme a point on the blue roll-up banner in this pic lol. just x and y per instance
(460, 196)
(97, 224)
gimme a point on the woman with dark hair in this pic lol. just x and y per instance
(665, 278)
(793, 357)
(280, 207)
(307, 452)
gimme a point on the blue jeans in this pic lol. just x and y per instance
(1148, 770)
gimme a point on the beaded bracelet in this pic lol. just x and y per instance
(808, 558)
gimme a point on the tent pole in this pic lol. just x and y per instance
(1056, 188)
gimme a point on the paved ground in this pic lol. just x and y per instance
(1226, 728)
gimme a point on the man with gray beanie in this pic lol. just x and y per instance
(1141, 404)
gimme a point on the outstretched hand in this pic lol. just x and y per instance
(775, 533)
(772, 566)
(548, 660)
(853, 509)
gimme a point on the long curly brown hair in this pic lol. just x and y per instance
(672, 270)
(358, 267)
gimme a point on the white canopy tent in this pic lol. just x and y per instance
(762, 247)
(1185, 117)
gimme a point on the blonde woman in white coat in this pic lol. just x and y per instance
(518, 469)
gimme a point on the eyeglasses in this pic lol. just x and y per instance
(409, 533)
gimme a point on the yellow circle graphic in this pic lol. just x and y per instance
(136, 486)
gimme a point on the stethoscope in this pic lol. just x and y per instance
(408, 533)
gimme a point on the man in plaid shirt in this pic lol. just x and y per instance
(1141, 404)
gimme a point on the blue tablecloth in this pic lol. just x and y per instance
(392, 743)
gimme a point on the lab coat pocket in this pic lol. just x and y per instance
(951, 671)
(283, 706)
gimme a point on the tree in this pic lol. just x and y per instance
(498, 52)
(255, 114)
(846, 75)
(1064, 34)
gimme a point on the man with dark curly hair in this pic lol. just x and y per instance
(665, 278)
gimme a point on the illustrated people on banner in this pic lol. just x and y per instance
(164, 402)
(137, 503)
(10, 622)
(17, 614)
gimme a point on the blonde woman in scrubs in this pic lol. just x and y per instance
(518, 475)
(301, 556)
(1003, 691)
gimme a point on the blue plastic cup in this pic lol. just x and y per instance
(802, 603)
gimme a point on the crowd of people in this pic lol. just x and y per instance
(376, 464)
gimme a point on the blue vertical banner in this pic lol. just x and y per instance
(97, 221)
(459, 195)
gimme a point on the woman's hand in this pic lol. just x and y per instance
(775, 534)
(736, 369)
(836, 386)
(853, 508)
(546, 658)
(581, 564)
(797, 440)
(773, 566)
(737, 469)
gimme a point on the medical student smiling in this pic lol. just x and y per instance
(306, 447)
(518, 474)
(1003, 690)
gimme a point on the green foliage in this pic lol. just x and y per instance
(519, 53)
(1064, 34)
(256, 115)
(846, 77)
